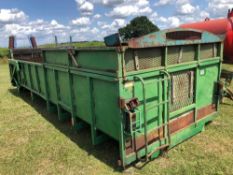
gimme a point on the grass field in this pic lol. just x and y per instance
(32, 141)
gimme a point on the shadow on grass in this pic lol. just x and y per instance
(106, 152)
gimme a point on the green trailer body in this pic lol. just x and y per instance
(149, 96)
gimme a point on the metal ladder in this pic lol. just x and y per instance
(165, 105)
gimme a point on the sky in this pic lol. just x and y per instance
(87, 20)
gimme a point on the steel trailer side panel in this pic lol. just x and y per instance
(56, 57)
(207, 85)
(52, 91)
(64, 88)
(97, 60)
(106, 106)
(41, 79)
(103, 94)
(82, 100)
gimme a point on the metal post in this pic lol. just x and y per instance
(56, 41)
(71, 41)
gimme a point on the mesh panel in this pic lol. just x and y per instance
(208, 51)
(129, 61)
(180, 54)
(143, 59)
(149, 58)
(189, 54)
(182, 93)
(173, 55)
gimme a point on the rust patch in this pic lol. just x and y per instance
(181, 122)
(32, 55)
(135, 144)
(152, 36)
(133, 43)
(201, 113)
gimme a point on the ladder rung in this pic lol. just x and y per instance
(155, 81)
(156, 105)
(157, 149)
(163, 125)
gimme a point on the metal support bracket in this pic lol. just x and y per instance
(71, 54)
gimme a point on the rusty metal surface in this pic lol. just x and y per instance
(33, 42)
(134, 145)
(184, 35)
(181, 122)
(185, 120)
(11, 42)
(167, 37)
(203, 112)
(33, 55)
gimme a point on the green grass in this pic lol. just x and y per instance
(32, 141)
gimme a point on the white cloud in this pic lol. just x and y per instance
(173, 21)
(204, 14)
(86, 34)
(54, 22)
(95, 30)
(38, 27)
(186, 9)
(163, 2)
(92, 26)
(97, 16)
(129, 8)
(182, 1)
(124, 11)
(169, 22)
(117, 23)
(101, 23)
(218, 8)
(142, 3)
(146, 10)
(12, 15)
(153, 16)
(110, 2)
(114, 26)
(85, 7)
(83, 21)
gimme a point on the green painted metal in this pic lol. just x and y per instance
(101, 87)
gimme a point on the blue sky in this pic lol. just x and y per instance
(94, 19)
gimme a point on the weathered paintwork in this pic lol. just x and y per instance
(129, 94)
(161, 38)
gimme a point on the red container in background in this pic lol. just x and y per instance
(222, 27)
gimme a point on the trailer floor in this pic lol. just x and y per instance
(32, 141)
